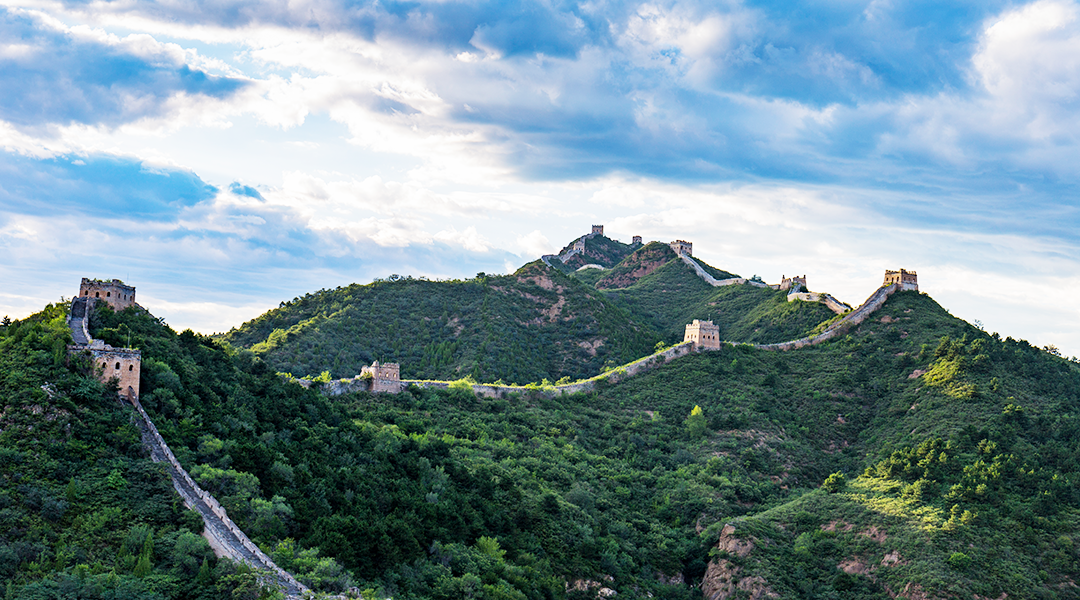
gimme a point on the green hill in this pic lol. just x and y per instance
(915, 456)
(535, 324)
(657, 288)
(599, 250)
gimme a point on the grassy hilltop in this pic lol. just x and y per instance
(916, 456)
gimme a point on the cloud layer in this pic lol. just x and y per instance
(445, 138)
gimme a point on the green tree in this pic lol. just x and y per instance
(696, 422)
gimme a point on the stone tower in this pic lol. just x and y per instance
(385, 377)
(637, 239)
(704, 334)
(114, 293)
(682, 247)
(598, 230)
(907, 280)
(787, 283)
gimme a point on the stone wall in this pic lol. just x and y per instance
(843, 325)
(124, 364)
(230, 541)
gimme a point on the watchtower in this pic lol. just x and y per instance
(788, 283)
(637, 239)
(704, 334)
(598, 230)
(682, 247)
(122, 364)
(114, 293)
(908, 280)
(384, 377)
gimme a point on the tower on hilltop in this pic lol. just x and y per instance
(114, 293)
(907, 280)
(682, 247)
(705, 334)
(598, 230)
(637, 239)
(787, 283)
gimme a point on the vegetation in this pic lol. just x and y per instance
(673, 295)
(599, 250)
(536, 324)
(914, 453)
(83, 513)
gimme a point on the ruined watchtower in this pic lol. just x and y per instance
(597, 230)
(682, 247)
(704, 334)
(793, 282)
(114, 293)
(637, 239)
(907, 280)
(384, 377)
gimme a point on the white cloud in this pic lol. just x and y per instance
(1029, 62)
(535, 244)
(468, 239)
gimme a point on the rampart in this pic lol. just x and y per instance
(226, 538)
(124, 364)
(853, 318)
(709, 279)
(828, 300)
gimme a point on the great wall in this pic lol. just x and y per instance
(228, 541)
(700, 336)
(123, 365)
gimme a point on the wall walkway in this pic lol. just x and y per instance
(226, 538)
(230, 540)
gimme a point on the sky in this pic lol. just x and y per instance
(226, 156)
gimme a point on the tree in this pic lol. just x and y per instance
(834, 483)
(696, 423)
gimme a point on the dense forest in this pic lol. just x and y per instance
(915, 455)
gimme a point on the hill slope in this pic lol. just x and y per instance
(535, 324)
(656, 287)
(439, 494)
(599, 250)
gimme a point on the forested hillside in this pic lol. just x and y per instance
(916, 453)
(656, 287)
(535, 324)
(83, 512)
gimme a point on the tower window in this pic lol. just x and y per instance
(131, 367)
(97, 294)
(117, 365)
(107, 294)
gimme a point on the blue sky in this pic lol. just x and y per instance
(225, 156)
